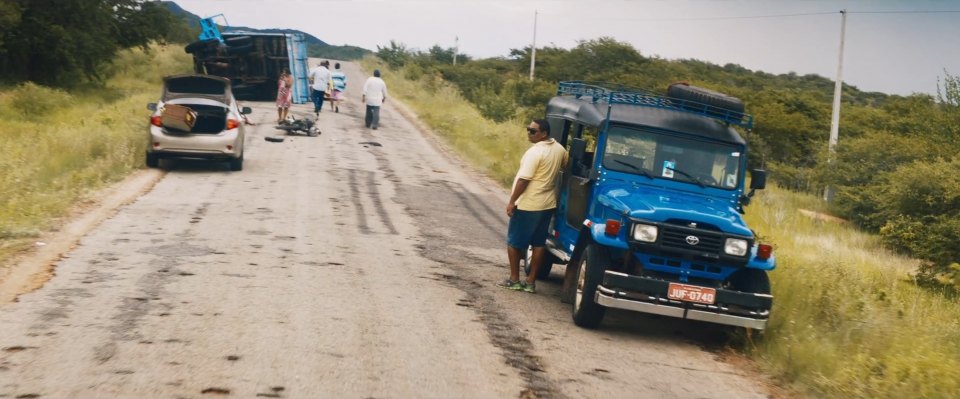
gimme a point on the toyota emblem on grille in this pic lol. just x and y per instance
(693, 240)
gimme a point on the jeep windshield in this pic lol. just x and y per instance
(663, 156)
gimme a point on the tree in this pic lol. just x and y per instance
(66, 42)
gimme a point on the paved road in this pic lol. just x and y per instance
(359, 263)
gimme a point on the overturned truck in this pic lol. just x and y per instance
(253, 62)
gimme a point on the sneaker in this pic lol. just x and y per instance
(529, 287)
(511, 285)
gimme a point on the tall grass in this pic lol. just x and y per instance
(847, 320)
(57, 146)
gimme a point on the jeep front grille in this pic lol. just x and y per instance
(677, 237)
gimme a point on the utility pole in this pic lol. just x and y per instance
(533, 47)
(456, 48)
(837, 90)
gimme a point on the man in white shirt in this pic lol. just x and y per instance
(374, 94)
(320, 82)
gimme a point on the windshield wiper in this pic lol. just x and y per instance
(689, 176)
(635, 167)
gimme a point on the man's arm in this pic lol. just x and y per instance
(518, 189)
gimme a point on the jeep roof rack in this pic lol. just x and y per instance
(631, 96)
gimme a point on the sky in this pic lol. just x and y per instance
(891, 46)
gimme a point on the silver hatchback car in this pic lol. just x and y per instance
(216, 130)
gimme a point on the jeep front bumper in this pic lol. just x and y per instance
(649, 295)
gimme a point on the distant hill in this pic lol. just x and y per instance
(315, 47)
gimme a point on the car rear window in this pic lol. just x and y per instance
(196, 85)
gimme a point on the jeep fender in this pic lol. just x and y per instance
(768, 264)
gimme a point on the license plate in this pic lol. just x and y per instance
(692, 293)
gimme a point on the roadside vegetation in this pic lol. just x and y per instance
(58, 146)
(851, 318)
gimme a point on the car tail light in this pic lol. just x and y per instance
(612, 227)
(155, 121)
(229, 147)
(232, 124)
(764, 251)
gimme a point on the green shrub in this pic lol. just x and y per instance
(33, 102)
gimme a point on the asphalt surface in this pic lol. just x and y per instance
(360, 263)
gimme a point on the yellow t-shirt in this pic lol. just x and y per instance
(541, 165)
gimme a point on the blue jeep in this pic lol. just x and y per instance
(648, 217)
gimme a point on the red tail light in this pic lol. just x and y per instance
(232, 124)
(155, 121)
(613, 227)
(764, 251)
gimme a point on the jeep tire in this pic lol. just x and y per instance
(544, 272)
(683, 91)
(754, 281)
(589, 274)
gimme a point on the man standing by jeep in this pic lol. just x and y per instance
(532, 203)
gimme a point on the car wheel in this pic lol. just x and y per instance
(586, 312)
(152, 161)
(236, 164)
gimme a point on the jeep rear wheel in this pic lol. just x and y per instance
(586, 312)
(544, 272)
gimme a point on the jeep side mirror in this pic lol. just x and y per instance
(152, 106)
(758, 179)
(246, 110)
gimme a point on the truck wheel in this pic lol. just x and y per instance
(683, 91)
(586, 312)
(199, 45)
(545, 268)
(236, 164)
(152, 161)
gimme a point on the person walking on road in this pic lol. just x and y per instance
(339, 86)
(284, 95)
(374, 95)
(319, 83)
(533, 201)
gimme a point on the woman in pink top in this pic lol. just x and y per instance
(284, 95)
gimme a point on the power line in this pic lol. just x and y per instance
(770, 16)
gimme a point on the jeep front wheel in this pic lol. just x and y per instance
(586, 312)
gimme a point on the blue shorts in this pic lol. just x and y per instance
(528, 228)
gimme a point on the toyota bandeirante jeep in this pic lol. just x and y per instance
(649, 209)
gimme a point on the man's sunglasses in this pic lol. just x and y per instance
(531, 130)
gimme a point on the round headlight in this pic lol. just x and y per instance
(735, 247)
(644, 233)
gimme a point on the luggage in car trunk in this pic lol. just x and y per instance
(178, 117)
